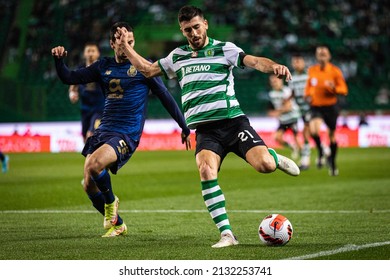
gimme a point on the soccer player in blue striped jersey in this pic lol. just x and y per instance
(204, 69)
(113, 143)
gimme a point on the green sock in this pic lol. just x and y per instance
(215, 202)
(275, 156)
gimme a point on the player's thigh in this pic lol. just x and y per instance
(279, 135)
(100, 159)
(306, 129)
(330, 117)
(208, 163)
(315, 125)
(260, 159)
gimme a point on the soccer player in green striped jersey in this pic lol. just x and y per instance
(204, 71)
(298, 87)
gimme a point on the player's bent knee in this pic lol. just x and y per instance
(87, 185)
(265, 165)
(206, 171)
(94, 166)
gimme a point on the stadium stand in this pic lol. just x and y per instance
(358, 33)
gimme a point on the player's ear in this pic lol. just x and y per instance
(112, 44)
(181, 28)
(206, 23)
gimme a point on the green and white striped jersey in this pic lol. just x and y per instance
(206, 79)
(277, 98)
(298, 85)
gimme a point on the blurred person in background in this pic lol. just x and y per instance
(4, 162)
(324, 84)
(298, 87)
(90, 95)
(284, 108)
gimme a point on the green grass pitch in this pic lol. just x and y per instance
(44, 213)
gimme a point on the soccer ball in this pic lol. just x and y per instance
(275, 230)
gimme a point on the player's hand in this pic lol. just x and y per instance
(308, 99)
(118, 35)
(281, 72)
(186, 139)
(59, 52)
(330, 87)
(121, 35)
(73, 96)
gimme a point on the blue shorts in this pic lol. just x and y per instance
(123, 146)
(90, 121)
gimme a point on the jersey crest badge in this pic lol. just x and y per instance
(132, 71)
(108, 72)
(209, 52)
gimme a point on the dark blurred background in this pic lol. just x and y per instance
(357, 32)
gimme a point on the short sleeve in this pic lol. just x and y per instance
(287, 93)
(232, 54)
(166, 66)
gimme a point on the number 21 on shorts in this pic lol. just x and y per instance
(244, 135)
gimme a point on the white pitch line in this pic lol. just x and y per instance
(196, 211)
(346, 248)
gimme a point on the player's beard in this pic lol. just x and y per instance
(198, 42)
(122, 57)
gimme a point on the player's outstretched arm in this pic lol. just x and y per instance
(147, 68)
(81, 76)
(266, 65)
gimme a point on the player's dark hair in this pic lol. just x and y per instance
(297, 54)
(119, 24)
(187, 13)
(87, 44)
(324, 45)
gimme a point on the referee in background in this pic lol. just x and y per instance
(325, 81)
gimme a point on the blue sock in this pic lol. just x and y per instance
(103, 182)
(119, 221)
(98, 202)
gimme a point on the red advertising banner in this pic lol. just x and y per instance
(163, 141)
(172, 141)
(25, 144)
(164, 135)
